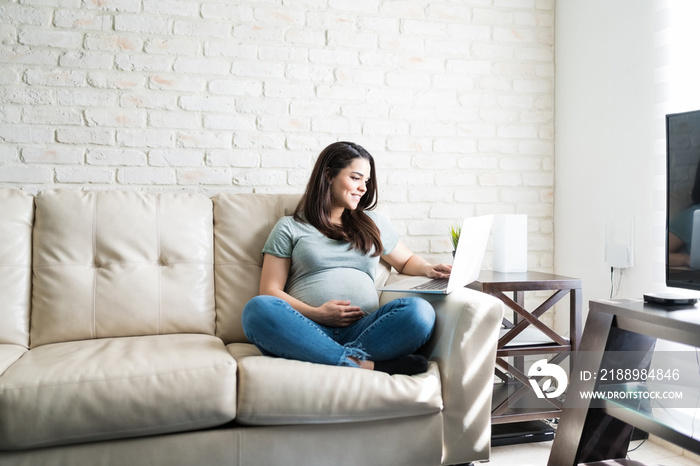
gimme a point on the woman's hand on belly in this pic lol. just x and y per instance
(337, 313)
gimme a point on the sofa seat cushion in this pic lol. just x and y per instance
(276, 391)
(9, 354)
(114, 388)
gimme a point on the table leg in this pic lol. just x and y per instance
(567, 442)
(575, 325)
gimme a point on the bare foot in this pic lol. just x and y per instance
(364, 364)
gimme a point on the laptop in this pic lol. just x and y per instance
(465, 267)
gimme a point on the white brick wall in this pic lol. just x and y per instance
(454, 100)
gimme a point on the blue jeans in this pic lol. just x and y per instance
(398, 328)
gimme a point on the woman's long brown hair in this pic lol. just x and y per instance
(357, 228)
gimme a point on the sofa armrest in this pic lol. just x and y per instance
(464, 346)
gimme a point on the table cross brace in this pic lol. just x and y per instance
(531, 318)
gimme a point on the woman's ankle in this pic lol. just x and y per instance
(363, 363)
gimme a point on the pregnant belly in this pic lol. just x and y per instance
(344, 284)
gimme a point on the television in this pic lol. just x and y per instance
(683, 200)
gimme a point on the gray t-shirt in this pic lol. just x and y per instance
(323, 269)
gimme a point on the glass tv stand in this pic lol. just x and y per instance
(629, 357)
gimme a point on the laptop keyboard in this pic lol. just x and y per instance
(435, 284)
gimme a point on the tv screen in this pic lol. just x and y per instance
(683, 200)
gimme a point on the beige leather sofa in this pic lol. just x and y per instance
(121, 343)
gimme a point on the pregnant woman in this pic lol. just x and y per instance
(317, 301)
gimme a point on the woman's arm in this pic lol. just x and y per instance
(273, 279)
(404, 261)
(334, 313)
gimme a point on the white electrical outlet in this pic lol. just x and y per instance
(619, 256)
(619, 242)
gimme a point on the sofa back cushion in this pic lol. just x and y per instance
(242, 223)
(16, 219)
(121, 263)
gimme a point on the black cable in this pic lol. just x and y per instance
(613, 292)
(612, 281)
(637, 447)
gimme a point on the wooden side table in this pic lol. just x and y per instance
(512, 344)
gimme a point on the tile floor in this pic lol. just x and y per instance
(651, 452)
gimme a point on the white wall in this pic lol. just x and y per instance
(613, 87)
(454, 99)
(604, 140)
